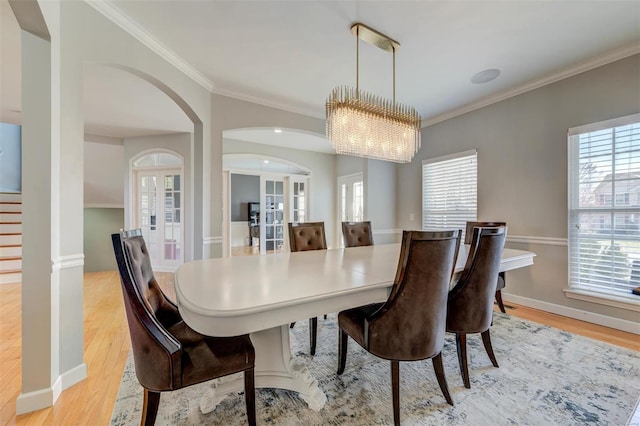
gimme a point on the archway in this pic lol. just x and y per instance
(261, 194)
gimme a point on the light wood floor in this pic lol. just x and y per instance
(106, 345)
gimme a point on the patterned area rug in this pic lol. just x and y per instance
(546, 377)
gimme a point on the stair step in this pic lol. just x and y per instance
(10, 197)
(10, 228)
(10, 277)
(11, 238)
(10, 263)
(10, 250)
(11, 217)
(10, 271)
(10, 207)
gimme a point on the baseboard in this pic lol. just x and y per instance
(37, 400)
(73, 376)
(604, 320)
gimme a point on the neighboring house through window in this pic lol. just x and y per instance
(450, 191)
(604, 208)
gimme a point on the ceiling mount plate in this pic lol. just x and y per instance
(374, 37)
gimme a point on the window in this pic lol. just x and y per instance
(450, 191)
(604, 215)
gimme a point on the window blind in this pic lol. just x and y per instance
(604, 206)
(449, 191)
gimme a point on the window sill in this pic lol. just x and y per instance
(631, 302)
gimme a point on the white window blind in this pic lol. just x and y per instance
(450, 191)
(604, 206)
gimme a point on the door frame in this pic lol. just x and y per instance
(349, 179)
(134, 202)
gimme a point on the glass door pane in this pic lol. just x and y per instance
(160, 215)
(172, 218)
(274, 215)
(148, 212)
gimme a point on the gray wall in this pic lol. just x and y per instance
(380, 182)
(244, 189)
(522, 168)
(10, 158)
(99, 224)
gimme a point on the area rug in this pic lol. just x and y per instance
(546, 377)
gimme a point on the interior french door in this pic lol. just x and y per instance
(160, 216)
(350, 201)
(272, 210)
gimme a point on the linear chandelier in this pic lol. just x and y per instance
(366, 125)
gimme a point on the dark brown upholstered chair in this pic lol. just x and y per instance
(356, 234)
(303, 237)
(501, 276)
(410, 325)
(470, 304)
(168, 355)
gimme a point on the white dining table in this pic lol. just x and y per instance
(262, 295)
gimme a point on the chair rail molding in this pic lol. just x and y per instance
(527, 239)
(207, 241)
(67, 261)
(386, 231)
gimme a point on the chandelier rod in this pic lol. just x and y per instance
(358, 62)
(394, 74)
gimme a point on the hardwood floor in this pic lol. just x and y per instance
(106, 345)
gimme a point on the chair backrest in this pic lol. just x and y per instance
(156, 353)
(470, 225)
(470, 302)
(356, 234)
(411, 324)
(307, 236)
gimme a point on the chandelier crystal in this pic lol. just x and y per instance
(366, 125)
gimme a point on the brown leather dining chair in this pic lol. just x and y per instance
(304, 237)
(501, 276)
(356, 234)
(470, 303)
(410, 325)
(167, 353)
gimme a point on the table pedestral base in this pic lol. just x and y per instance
(273, 370)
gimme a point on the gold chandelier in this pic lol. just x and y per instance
(366, 125)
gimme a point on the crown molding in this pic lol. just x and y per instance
(113, 13)
(596, 62)
(309, 112)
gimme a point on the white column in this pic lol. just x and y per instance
(52, 317)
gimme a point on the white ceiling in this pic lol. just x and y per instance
(290, 54)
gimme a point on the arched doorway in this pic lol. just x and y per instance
(280, 194)
(158, 208)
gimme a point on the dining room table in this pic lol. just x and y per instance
(262, 295)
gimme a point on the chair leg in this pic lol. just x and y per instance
(486, 340)
(325, 316)
(438, 367)
(250, 396)
(292, 324)
(343, 339)
(499, 300)
(395, 389)
(313, 332)
(461, 345)
(149, 408)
